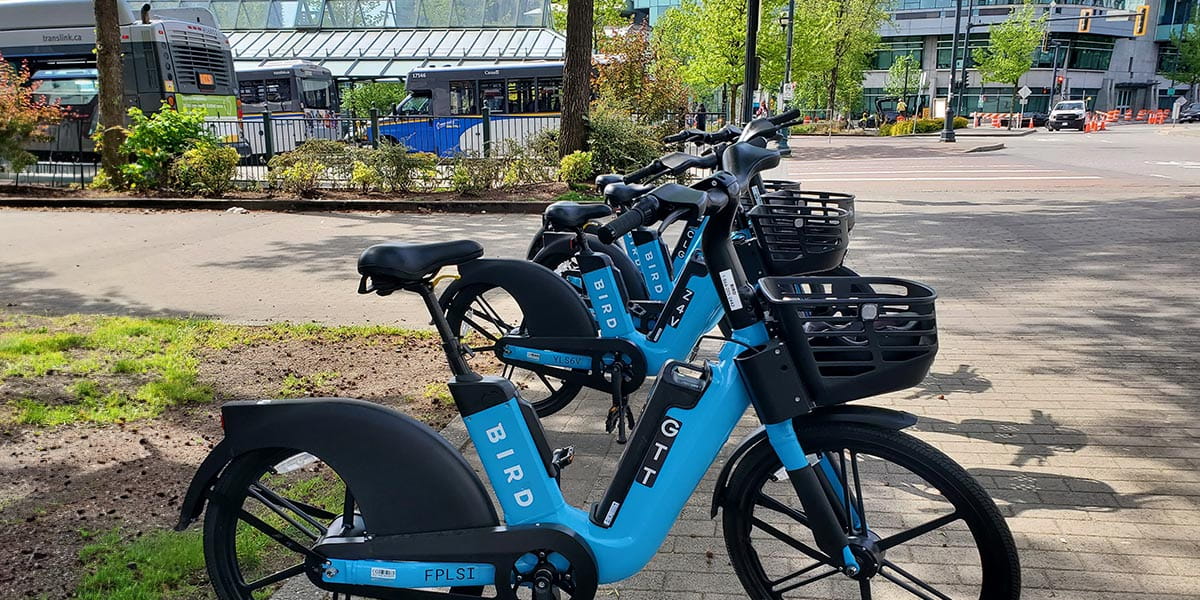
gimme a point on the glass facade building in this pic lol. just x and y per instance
(373, 39)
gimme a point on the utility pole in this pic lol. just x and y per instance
(752, 12)
(948, 124)
(112, 88)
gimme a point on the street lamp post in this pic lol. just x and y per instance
(962, 78)
(948, 124)
(753, 9)
(787, 22)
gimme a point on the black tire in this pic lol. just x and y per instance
(561, 259)
(232, 551)
(760, 498)
(470, 313)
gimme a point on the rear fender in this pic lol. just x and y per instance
(551, 306)
(630, 276)
(383, 456)
(842, 413)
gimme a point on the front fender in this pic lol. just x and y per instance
(405, 477)
(841, 413)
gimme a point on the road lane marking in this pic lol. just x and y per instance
(1012, 178)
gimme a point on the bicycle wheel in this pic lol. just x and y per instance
(482, 314)
(920, 526)
(268, 508)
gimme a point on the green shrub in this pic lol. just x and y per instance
(155, 141)
(473, 174)
(903, 127)
(399, 169)
(618, 143)
(365, 177)
(576, 166)
(300, 177)
(960, 122)
(885, 129)
(207, 169)
(525, 164)
(337, 157)
(545, 144)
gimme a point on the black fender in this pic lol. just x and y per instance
(551, 306)
(842, 413)
(630, 276)
(405, 477)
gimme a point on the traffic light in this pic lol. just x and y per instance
(1085, 20)
(1141, 21)
(1058, 84)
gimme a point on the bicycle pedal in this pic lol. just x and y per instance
(563, 456)
(610, 421)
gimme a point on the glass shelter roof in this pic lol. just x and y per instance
(368, 39)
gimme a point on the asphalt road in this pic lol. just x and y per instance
(263, 266)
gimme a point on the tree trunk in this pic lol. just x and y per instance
(577, 77)
(833, 82)
(112, 88)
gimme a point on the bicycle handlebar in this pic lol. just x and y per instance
(677, 137)
(644, 173)
(642, 213)
(790, 115)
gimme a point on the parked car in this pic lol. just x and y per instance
(1068, 113)
(1190, 113)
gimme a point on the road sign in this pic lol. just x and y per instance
(1024, 92)
(1180, 101)
(789, 91)
(1024, 101)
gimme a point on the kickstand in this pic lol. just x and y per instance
(619, 413)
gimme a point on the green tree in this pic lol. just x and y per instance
(1011, 46)
(707, 38)
(605, 13)
(903, 76)
(382, 96)
(632, 76)
(1186, 65)
(847, 34)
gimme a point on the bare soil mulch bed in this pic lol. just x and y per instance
(542, 192)
(55, 483)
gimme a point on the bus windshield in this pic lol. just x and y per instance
(67, 92)
(318, 93)
(417, 103)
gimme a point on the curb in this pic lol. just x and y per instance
(292, 205)
(987, 148)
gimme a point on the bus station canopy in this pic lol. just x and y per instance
(391, 53)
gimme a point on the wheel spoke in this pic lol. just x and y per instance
(309, 512)
(277, 535)
(480, 329)
(546, 381)
(276, 577)
(770, 503)
(496, 318)
(812, 579)
(913, 578)
(864, 589)
(791, 541)
(862, 510)
(261, 494)
(796, 574)
(904, 536)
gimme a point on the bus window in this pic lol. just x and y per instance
(316, 93)
(492, 94)
(520, 96)
(550, 94)
(250, 92)
(417, 103)
(67, 92)
(462, 98)
(278, 90)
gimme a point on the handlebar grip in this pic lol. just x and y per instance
(676, 137)
(644, 173)
(640, 214)
(707, 161)
(785, 117)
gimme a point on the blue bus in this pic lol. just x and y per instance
(443, 111)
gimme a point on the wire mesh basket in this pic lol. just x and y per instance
(798, 239)
(854, 337)
(798, 197)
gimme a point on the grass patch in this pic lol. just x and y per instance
(437, 393)
(299, 386)
(123, 368)
(162, 564)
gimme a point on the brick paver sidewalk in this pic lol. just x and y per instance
(1066, 382)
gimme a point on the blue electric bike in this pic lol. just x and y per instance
(824, 500)
(552, 350)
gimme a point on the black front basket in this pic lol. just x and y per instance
(799, 239)
(813, 198)
(855, 337)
